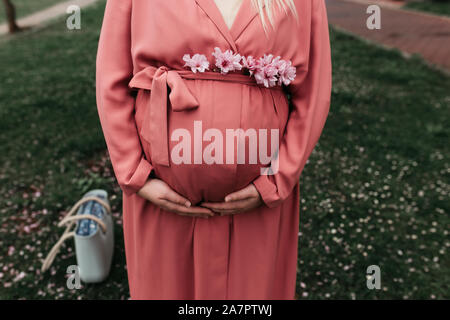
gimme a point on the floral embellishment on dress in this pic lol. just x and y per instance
(198, 62)
(250, 63)
(227, 61)
(268, 70)
(286, 72)
(272, 71)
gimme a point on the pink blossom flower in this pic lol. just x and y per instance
(250, 63)
(198, 62)
(267, 75)
(287, 72)
(265, 60)
(277, 61)
(267, 71)
(227, 61)
(20, 276)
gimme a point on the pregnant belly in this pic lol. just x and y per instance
(222, 145)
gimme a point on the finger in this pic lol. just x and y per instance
(215, 206)
(182, 209)
(220, 211)
(239, 195)
(199, 210)
(248, 206)
(241, 206)
(195, 210)
(176, 198)
(227, 206)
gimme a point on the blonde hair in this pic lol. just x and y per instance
(282, 4)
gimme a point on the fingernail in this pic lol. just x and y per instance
(227, 199)
(187, 204)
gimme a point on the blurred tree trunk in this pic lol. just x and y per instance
(11, 15)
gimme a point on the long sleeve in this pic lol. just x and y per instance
(115, 101)
(310, 101)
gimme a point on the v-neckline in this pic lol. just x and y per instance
(234, 18)
(244, 16)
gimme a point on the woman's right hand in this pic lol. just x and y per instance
(160, 194)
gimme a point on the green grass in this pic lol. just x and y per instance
(435, 7)
(26, 7)
(375, 191)
(51, 152)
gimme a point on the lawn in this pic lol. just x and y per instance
(436, 7)
(375, 191)
(26, 7)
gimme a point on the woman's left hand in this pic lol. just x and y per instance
(237, 202)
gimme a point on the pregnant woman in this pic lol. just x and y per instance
(193, 97)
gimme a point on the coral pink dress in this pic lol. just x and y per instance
(145, 94)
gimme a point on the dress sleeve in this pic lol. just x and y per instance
(310, 103)
(115, 101)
